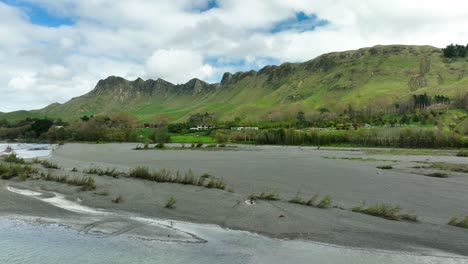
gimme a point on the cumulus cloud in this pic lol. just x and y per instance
(180, 40)
(177, 65)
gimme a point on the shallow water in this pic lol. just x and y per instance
(22, 242)
(25, 150)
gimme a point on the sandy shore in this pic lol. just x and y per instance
(256, 169)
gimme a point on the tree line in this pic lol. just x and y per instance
(455, 51)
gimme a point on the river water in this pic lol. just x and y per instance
(23, 242)
(26, 150)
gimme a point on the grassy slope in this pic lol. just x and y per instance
(377, 77)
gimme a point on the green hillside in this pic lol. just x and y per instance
(376, 77)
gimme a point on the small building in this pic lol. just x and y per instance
(202, 127)
(244, 128)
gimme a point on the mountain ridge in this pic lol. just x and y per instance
(379, 76)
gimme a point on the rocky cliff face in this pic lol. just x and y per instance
(123, 89)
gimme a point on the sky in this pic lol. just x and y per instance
(53, 50)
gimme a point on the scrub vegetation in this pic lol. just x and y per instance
(86, 183)
(187, 178)
(325, 202)
(387, 211)
(272, 195)
(10, 171)
(463, 222)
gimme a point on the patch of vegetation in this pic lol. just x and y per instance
(415, 152)
(462, 153)
(385, 167)
(324, 203)
(387, 211)
(459, 222)
(450, 166)
(216, 184)
(358, 158)
(49, 164)
(103, 172)
(8, 172)
(272, 195)
(169, 177)
(159, 146)
(13, 158)
(437, 175)
(170, 203)
(86, 183)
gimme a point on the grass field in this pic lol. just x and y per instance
(192, 139)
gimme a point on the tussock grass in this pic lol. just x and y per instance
(49, 164)
(462, 153)
(103, 172)
(387, 211)
(272, 195)
(385, 167)
(13, 158)
(86, 183)
(437, 175)
(170, 203)
(325, 202)
(188, 178)
(10, 171)
(463, 223)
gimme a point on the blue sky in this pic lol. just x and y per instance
(38, 15)
(53, 50)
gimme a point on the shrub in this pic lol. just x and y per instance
(199, 145)
(462, 153)
(159, 146)
(170, 204)
(13, 158)
(459, 223)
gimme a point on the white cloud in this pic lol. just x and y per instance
(177, 65)
(22, 82)
(168, 39)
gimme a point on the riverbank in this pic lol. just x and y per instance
(288, 170)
